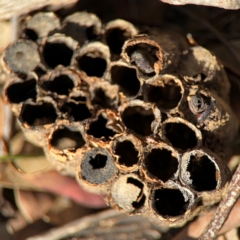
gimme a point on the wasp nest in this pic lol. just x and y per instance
(136, 115)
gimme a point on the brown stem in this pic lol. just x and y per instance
(224, 208)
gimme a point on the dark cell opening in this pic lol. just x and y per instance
(92, 66)
(76, 111)
(98, 129)
(56, 54)
(115, 39)
(202, 173)
(90, 32)
(128, 155)
(161, 163)
(97, 166)
(21, 91)
(200, 77)
(166, 97)
(141, 198)
(61, 85)
(40, 114)
(79, 98)
(143, 56)
(138, 120)
(40, 71)
(102, 99)
(99, 161)
(79, 33)
(180, 136)
(127, 79)
(64, 138)
(31, 34)
(169, 202)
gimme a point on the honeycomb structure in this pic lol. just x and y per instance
(134, 113)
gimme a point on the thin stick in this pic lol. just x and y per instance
(76, 226)
(224, 208)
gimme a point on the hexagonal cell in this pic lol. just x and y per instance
(61, 81)
(66, 137)
(41, 25)
(58, 50)
(116, 33)
(138, 118)
(38, 113)
(161, 162)
(93, 59)
(126, 78)
(200, 171)
(144, 53)
(82, 26)
(128, 150)
(104, 94)
(97, 166)
(22, 56)
(171, 203)
(181, 134)
(165, 91)
(76, 111)
(99, 129)
(20, 90)
(128, 193)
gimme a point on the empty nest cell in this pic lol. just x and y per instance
(138, 118)
(20, 90)
(161, 162)
(200, 171)
(97, 166)
(58, 50)
(128, 193)
(126, 78)
(99, 129)
(61, 85)
(38, 113)
(60, 81)
(101, 98)
(104, 94)
(91, 65)
(76, 111)
(128, 150)
(181, 134)
(171, 202)
(67, 137)
(165, 91)
(116, 33)
(93, 59)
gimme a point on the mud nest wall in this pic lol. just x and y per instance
(134, 113)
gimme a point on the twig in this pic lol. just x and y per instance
(76, 226)
(224, 208)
